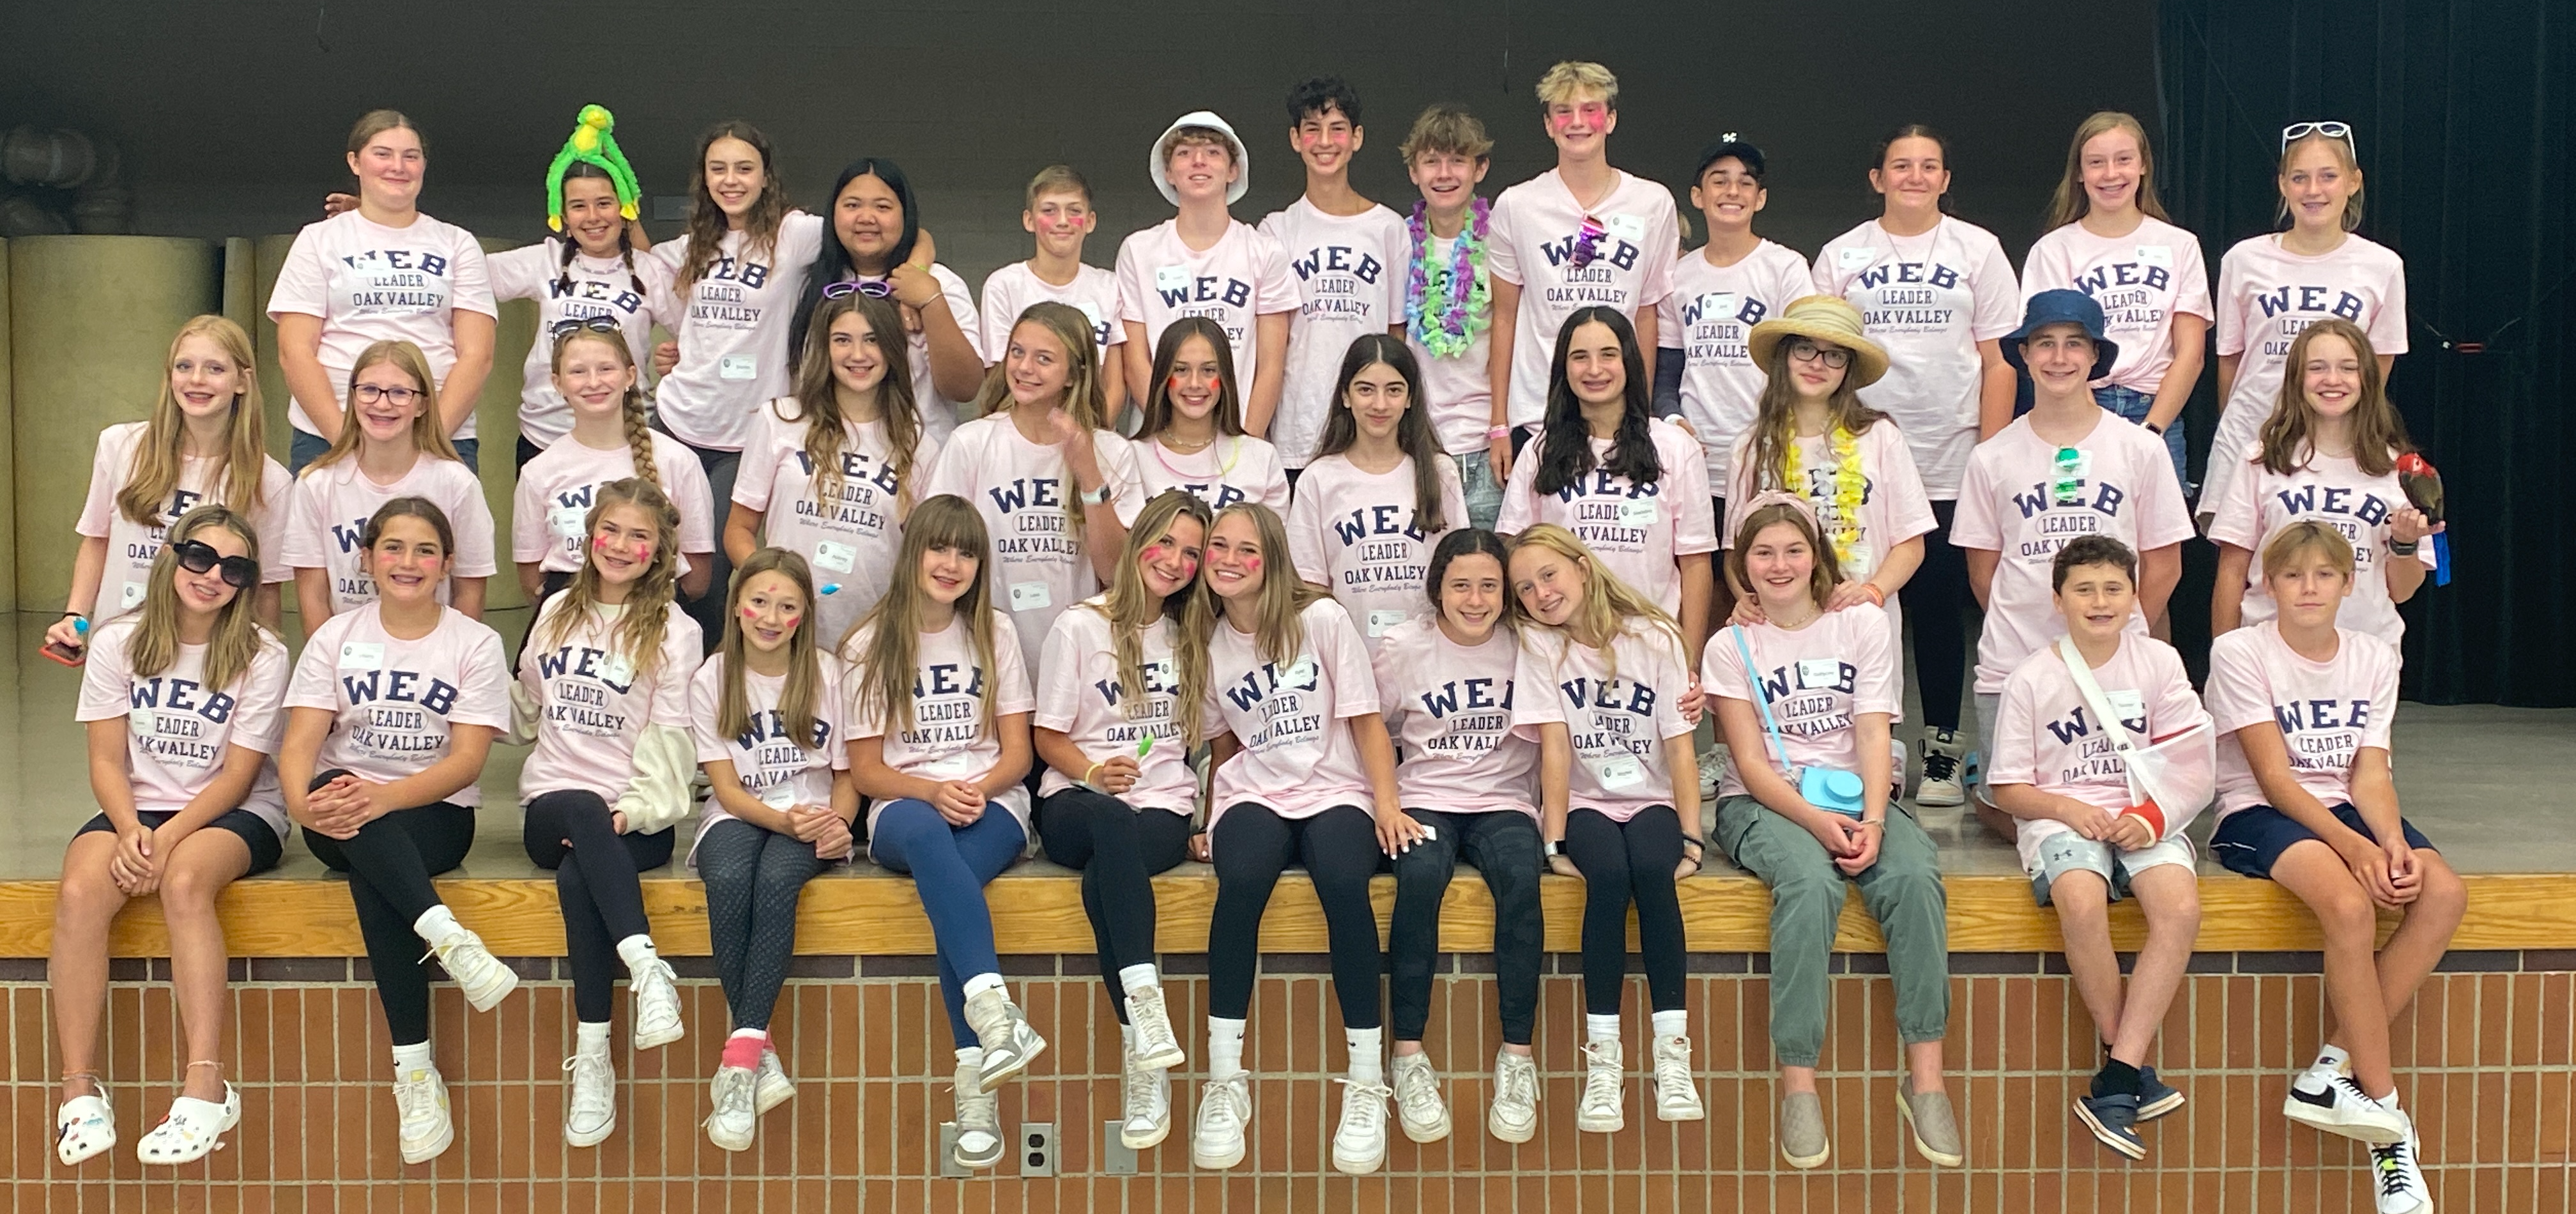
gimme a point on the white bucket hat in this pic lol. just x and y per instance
(1154, 160)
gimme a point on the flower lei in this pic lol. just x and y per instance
(1851, 487)
(1450, 328)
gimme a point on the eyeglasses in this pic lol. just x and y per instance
(1832, 356)
(595, 324)
(368, 394)
(2297, 131)
(196, 556)
(1587, 243)
(872, 288)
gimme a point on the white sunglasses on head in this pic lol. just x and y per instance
(2297, 131)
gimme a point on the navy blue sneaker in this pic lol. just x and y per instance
(2155, 1097)
(2113, 1119)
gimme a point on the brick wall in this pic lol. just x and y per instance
(2484, 1063)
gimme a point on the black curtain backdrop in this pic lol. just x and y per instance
(2460, 111)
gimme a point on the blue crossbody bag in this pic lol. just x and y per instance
(1830, 789)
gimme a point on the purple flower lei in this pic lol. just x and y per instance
(1449, 328)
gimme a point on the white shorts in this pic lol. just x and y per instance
(2067, 851)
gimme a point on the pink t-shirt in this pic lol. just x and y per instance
(1534, 229)
(178, 730)
(2142, 280)
(130, 548)
(332, 504)
(394, 702)
(938, 413)
(2327, 711)
(590, 286)
(1040, 565)
(554, 495)
(1893, 506)
(1239, 468)
(1297, 756)
(1350, 283)
(1817, 680)
(1449, 707)
(1709, 317)
(2267, 294)
(593, 702)
(732, 332)
(947, 740)
(1458, 391)
(1240, 278)
(1927, 300)
(1618, 723)
(1356, 535)
(2007, 506)
(1010, 290)
(2252, 504)
(779, 770)
(1080, 697)
(2047, 738)
(852, 542)
(1638, 531)
(371, 283)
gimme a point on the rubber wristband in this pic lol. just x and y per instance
(1877, 596)
(1089, 772)
(73, 615)
(1498, 432)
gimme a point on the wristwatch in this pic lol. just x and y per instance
(1553, 848)
(2152, 428)
(1094, 497)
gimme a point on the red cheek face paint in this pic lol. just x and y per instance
(751, 613)
(1252, 564)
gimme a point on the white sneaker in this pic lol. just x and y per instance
(2397, 1177)
(420, 1101)
(1418, 1106)
(1359, 1142)
(1942, 756)
(1225, 1112)
(657, 1005)
(1009, 1043)
(1712, 762)
(1513, 1116)
(1676, 1090)
(590, 1107)
(485, 981)
(2343, 1108)
(1145, 1116)
(774, 1088)
(979, 1120)
(730, 1126)
(1601, 1110)
(1158, 1048)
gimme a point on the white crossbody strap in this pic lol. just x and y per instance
(2100, 705)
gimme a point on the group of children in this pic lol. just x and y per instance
(1493, 445)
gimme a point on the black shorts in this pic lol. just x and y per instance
(266, 848)
(2252, 839)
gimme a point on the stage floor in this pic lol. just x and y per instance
(2469, 776)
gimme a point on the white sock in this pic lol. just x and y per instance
(637, 952)
(972, 1055)
(1140, 979)
(2332, 1058)
(436, 924)
(1600, 1028)
(763, 1034)
(1225, 1047)
(981, 983)
(409, 1058)
(1127, 1037)
(1672, 1024)
(589, 1038)
(1367, 1047)
(2389, 1101)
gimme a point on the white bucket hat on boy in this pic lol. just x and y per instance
(1154, 159)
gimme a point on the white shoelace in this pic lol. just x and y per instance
(1142, 1095)
(1516, 1083)
(1672, 1063)
(413, 1101)
(1228, 1101)
(1363, 1106)
(1417, 1089)
(978, 1109)
(734, 1089)
(1600, 1082)
(593, 1083)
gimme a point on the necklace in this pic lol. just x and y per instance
(1163, 454)
(1850, 490)
(1448, 327)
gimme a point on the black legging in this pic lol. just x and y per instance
(1504, 846)
(1252, 845)
(708, 609)
(1935, 600)
(390, 861)
(1118, 849)
(603, 901)
(753, 878)
(1621, 863)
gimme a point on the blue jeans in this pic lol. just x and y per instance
(308, 447)
(1484, 494)
(950, 865)
(2133, 405)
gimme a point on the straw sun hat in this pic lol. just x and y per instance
(1828, 320)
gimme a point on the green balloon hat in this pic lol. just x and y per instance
(591, 142)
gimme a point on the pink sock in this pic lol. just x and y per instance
(743, 1050)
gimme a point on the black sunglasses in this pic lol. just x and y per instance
(197, 556)
(596, 324)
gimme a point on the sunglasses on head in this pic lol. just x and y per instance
(872, 288)
(197, 556)
(596, 324)
(2297, 131)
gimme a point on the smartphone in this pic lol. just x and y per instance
(65, 654)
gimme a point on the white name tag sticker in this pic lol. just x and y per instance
(1090, 311)
(1637, 512)
(1029, 596)
(141, 720)
(1300, 673)
(1817, 673)
(779, 796)
(1172, 278)
(738, 366)
(2131, 705)
(1717, 305)
(1381, 621)
(1619, 771)
(1855, 259)
(952, 766)
(362, 655)
(618, 668)
(836, 557)
(131, 594)
(566, 521)
(2156, 255)
(1630, 228)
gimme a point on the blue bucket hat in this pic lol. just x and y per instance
(2063, 307)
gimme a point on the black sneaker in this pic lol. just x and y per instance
(2155, 1097)
(2113, 1120)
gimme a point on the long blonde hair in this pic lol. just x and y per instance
(1610, 608)
(818, 401)
(639, 431)
(1131, 610)
(428, 433)
(1279, 633)
(800, 699)
(884, 671)
(161, 459)
(1083, 397)
(639, 634)
(2071, 203)
(2344, 156)
(1775, 419)
(237, 636)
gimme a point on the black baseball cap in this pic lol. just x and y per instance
(1729, 144)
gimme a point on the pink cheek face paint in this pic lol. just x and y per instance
(1252, 564)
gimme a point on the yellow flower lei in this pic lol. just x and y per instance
(1850, 488)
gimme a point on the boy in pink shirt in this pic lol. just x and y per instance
(1204, 262)
(1058, 216)
(1347, 253)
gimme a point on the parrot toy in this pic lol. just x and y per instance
(592, 142)
(2423, 487)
